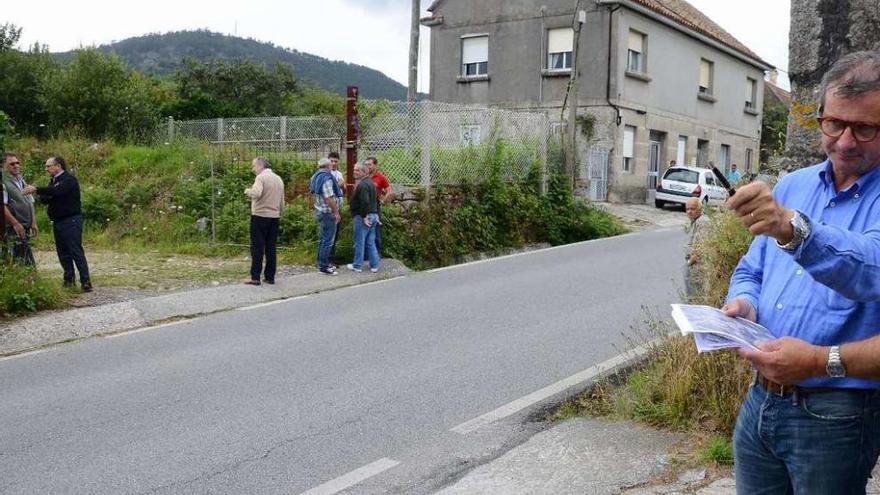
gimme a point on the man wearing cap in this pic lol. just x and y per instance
(325, 190)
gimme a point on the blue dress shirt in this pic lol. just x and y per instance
(828, 290)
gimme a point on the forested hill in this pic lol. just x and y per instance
(161, 54)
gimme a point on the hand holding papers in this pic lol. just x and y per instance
(714, 330)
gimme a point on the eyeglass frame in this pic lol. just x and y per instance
(849, 125)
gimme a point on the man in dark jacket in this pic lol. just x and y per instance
(365, 217)
(63, 197)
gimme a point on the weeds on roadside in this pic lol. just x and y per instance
(675, 387)
(23, 290)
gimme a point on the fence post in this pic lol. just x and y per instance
(425, 142)
(283, 133)
(220, 137)
(543, 151)
(170, 129)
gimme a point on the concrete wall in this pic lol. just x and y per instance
(517, 52)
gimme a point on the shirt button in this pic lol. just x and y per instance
(856, 195)
(800, 272)
(833, 204)
(779, 306)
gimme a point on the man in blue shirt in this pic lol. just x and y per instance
(734, 176)
(811, 420)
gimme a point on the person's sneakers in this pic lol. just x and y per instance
(374, 270)
(354, 268)
(251, 281)
(328, 271)
(269, 281)
(67, 284)
(87, 287)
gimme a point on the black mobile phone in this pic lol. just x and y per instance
(723, 180)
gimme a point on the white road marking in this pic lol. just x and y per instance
(549, 391)
(347, 481)
(537, 251)
(144, 329)
(271, 303)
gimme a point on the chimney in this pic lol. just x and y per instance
(774, 77)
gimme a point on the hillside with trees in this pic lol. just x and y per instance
(164, 54)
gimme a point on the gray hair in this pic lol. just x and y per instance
(323, 163)
(851, 76)
(360, 166)
(263, 161)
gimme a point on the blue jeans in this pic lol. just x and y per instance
(365, 239)
(327, 232)
(806, 443)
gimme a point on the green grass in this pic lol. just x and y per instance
(719, 451)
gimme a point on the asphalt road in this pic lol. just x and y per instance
(365, 387)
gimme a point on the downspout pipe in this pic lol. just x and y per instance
(611, 11)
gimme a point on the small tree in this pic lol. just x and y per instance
(774, 128)
(9, 36)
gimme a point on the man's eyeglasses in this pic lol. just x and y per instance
(861, 131)
(14, 163)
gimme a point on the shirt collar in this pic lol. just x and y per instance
(59, 174)
(826, 175)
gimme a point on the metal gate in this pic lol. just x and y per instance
(597, 167)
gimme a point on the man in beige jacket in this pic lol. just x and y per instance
(267, 202)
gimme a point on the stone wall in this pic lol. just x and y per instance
(821, 32)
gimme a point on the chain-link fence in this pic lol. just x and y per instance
(429, 143)
(424, 143)
(417, 144)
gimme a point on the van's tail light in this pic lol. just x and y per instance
(697, 192)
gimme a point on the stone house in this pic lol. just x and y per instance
(662, 80)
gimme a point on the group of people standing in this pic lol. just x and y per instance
(62, 196)
(372, 188)
(327, 186)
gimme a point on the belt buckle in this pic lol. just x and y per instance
(781, 392)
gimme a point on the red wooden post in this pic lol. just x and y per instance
(352, 135)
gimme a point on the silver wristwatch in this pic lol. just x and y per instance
(801, 230)
(835, 366)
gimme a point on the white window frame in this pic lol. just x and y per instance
(749, 153)
(681, 152)
(636, 59)
(707, 74)
(724, 158)
(629, 144)
(751, 93)
(474, 59)
(560, 46)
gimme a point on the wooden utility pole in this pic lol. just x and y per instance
(571, 128)
(413, 89)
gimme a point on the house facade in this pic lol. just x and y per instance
(662, 81)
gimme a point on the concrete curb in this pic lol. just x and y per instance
(56, 327)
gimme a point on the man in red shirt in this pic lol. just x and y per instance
(383, 194)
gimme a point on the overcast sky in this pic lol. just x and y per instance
(374, 33)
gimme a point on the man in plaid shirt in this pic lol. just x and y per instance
(325, 190)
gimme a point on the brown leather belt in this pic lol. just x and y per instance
(783, 390)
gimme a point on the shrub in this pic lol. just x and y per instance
(22, 290)
(99, 206)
